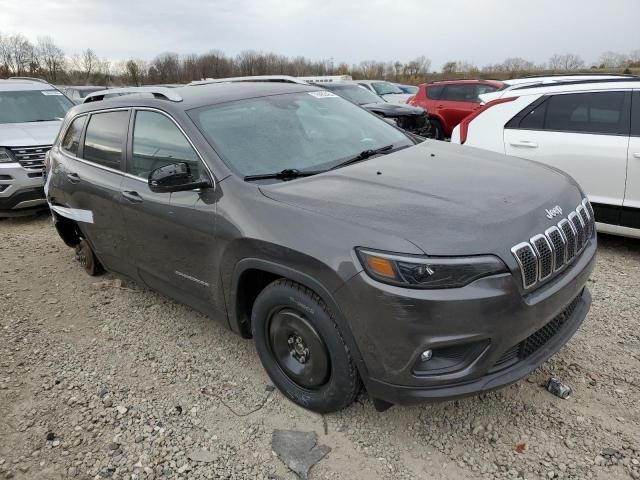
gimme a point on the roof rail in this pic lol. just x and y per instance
(585, 74)
(589, 81)
(31, 79)
(254, 78)
(158, 92)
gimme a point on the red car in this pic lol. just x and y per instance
(448, 102)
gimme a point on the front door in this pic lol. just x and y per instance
(171, 234)
(583, 134)
(631, 206)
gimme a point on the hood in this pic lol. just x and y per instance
(28, 134)
(446, 199)
(394, 110)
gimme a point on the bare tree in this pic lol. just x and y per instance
(566, 62)
(86, 64)
(51, 58)
(417, 67)
(517, 65)
(613, 60)
(17, 54)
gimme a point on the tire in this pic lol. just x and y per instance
(317, 372)
(436, 129)
(88, 260)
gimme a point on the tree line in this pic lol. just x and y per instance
(21, 57)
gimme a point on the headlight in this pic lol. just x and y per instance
(6, 156)
(428, 272)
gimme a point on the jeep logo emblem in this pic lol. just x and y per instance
(554, 212)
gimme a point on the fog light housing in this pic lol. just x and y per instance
(426, 355)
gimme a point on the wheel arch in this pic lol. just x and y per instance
(239, 307)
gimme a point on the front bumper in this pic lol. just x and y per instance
(21, 190)
(483, 336)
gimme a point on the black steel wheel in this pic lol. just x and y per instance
(302, 349)
(298, 348)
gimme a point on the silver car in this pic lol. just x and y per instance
(31, 111)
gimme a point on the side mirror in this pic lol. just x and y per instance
(175, 177)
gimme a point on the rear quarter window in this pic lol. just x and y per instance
(434, 92)
(71, 140)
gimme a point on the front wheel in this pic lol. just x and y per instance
(302, 349)
(88, 259)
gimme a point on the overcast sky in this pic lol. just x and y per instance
(480, 32)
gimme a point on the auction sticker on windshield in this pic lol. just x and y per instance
(50, 92)
(324, 94)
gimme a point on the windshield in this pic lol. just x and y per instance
(386, 88)
(409, 89)
(33, 106)
(86, 91)
(355, 94)
(302, 131)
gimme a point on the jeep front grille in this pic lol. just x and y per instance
(560, 244)
(31, 158)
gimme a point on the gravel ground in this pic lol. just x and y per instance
(124, 383)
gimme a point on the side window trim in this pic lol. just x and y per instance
(129, 143)
(514, 122)
(83, 137)
(634, 126)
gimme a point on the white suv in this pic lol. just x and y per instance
(588, 128)
(31, 112)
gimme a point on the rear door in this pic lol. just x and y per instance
(93, 181)
(584, 134)
(171, 234)
(631, 210)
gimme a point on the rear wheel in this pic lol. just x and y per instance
(88, 260)
(302, 349)
(436, 129)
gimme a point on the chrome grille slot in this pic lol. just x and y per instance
(586, 221)
(570, 235)
(528, 261)
(31, 158)
(576, 221)
(545, 255)
(559, 246)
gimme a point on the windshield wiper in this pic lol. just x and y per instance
(286, 174)
(43, 120)
(363, 156)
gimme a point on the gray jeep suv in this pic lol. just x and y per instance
(348, 252)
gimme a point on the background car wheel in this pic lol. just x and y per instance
(88, 260)
(302, 349)
(436, 129)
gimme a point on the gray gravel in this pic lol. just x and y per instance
(103, 382)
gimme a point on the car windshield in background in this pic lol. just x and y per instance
(386, 88)
(33, 106)
(86, 91)
(409, 89)
(301, 131)
(355, 94)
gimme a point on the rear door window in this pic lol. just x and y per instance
(595, 112)
(71, 140)
(105, 138)
(157, 142)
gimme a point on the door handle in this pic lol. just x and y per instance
(523, 143)
(636, 155)
(439, 106)
(73, 177)
(133, 197)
